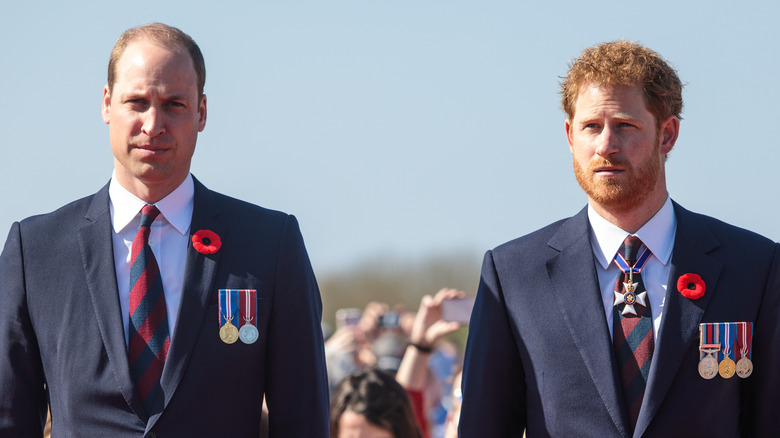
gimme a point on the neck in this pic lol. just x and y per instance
(631, 219)
(149, 193)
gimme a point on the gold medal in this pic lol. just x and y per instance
(744, 367)
(726, 368)
(708, 367)
(228, 333)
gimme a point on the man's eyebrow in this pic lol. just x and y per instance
(623, 117)
(175, 96)
(132, 94)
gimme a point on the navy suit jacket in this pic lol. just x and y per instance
(539, 354)
(62, 339)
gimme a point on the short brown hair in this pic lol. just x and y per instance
(625, 63)
(379, 398)
(169, 36)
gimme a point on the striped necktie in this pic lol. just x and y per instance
(149, 339)
(632, 326)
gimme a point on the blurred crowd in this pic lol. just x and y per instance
(392, 372)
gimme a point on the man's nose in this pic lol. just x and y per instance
(607, 143)
(154, 122)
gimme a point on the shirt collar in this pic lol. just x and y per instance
(657, 235)
(176, 207)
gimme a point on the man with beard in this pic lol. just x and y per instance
(636, 317)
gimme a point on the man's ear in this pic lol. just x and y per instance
(105, 107)
(567, 126)
(202, 114)
(670, 129)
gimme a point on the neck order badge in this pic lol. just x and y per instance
(238, 308)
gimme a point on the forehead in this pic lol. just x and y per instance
(594, 99)
(148, 62)
(356, 425)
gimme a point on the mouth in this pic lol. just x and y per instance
(608, 170)
(150, 147)
(150, 151)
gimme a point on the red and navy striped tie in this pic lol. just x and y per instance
(632, 326)
(149, 339)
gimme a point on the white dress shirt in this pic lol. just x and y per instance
(168, 239)
(657, 235)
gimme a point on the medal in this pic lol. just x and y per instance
(744, 364)
(238, 308)
(228, 302)
(630, 296)
(248, 332)
(727, 367)
(737, 337)
(744, 367)
(708, 365)
(228, 333)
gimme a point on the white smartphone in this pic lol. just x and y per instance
(457, 309)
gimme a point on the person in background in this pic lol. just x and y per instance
(371, 404)
(351, 347)
(407, 345)
(427, 331)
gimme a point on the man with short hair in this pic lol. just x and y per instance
(157, 307)
(635, 317)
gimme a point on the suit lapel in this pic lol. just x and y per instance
(575, 282)
(96, 245)
(680, 323)
(200, 273)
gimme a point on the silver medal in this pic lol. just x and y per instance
(248, 333)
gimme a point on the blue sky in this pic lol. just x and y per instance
(406, 128)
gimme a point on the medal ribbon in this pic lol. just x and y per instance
(640, 262)
(716, 340)
(228, 301)
(727, 341)
(709, 340)
(705, 340)
(704, 332)
(249, 300)
(745, 349)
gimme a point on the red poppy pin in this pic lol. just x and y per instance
(206, 241)
(691, 286)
